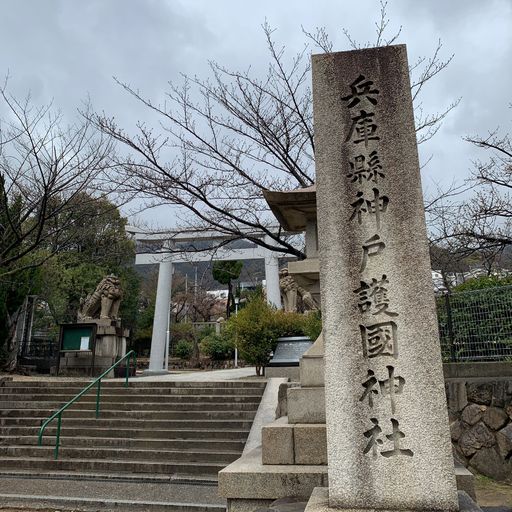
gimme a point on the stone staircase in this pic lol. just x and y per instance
(149, 432)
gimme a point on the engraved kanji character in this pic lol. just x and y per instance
(377, 204)
(372, 206)
(364, 127)
(373, 297)
(388, 387)
(395, 437)
(379, 339)
(392, 386)
(359, 207)
(372, 247)
(373, 436)
(366, 169)
(361, 88)
(370, 388)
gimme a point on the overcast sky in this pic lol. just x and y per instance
(67, 50)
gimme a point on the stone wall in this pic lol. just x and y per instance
(480, 414)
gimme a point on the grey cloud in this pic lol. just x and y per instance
(66, 50)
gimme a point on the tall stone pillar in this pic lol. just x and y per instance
(161, 320)
(272, 276)
(388, 442)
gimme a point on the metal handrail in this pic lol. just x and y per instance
(58, 414)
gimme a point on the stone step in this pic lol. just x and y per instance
(222, 458)
(114, 466)
(107, 391)
(133, 433)
(125, 406)
(134, 384)
(143, 424)
(96, 504)
(137, 414)
(108, 398)
(149, 432)
(152, 444)
(29, 476)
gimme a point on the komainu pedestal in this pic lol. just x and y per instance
(388, 443)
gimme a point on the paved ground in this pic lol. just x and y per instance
(201, 376)
(175, 376)
(137, 491)
(493, 496)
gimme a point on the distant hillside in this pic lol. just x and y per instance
(253, 272)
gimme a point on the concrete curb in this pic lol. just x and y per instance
(265, 414)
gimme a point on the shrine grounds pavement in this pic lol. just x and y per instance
(131, 491)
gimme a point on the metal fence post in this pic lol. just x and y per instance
(451, 336)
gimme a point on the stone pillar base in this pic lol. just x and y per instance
(149, 373)
(319, 502)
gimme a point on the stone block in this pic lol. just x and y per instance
(504, 440)
(312, 372)
(248, 478)
(499, 393)
(489, 462)
(319, 502)
(288, 505)
(465, 481)
(277, 442)
(456, 396)
(456, 430)
(479, 393)
(478, 436)
(306, 405)
(458, 456)
(312, 365)
(243, 505)
(310, 444)
(287, 372)
(282, 399)
(473, 413)
(481, 369)
(495, 418)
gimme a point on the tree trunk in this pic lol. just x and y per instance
(230, 298)
(11, 343)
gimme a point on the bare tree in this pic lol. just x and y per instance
(47, 175)
(480, 223)
(487, 218)
(226, 139)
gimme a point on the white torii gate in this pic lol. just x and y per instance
(166, 257)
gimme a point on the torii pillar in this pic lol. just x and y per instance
(161, 319)
(163, 305)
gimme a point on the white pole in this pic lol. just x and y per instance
(166, 363)
(161, 320)
(272, 275)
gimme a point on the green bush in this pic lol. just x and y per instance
(182, 331)
(218, 348)
(205, 331)
(312, 324)
(183, 349)
(257, 327)
(287, 324)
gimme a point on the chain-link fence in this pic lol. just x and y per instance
(476, 325)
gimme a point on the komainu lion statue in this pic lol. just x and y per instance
(103, 302)
(290, 290)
